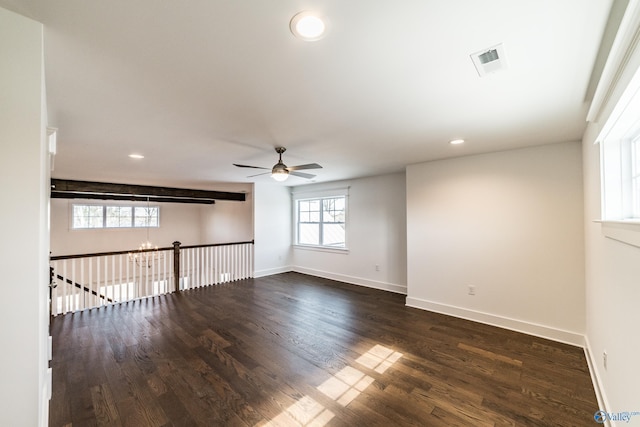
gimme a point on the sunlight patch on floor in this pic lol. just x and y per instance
(379, 358)
(346, 385)
(342, 387)
(305, 412)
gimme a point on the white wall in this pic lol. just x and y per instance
(181, 222)
(24, 227)
(612, 267)
(612, 299)
(272, 204)
(508, 223)
(228, 221)
(376, 235)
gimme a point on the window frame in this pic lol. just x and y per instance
(105, 218)
(320, 222)
(620, 202)
(620, 181)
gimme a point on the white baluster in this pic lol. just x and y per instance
(119, 280)
(65, 289)
(199, 281)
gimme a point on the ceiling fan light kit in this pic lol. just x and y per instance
(280, 172)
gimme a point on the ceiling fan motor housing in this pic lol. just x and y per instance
(279, 168)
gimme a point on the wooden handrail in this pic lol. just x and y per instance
(169, 248)
(84, 288)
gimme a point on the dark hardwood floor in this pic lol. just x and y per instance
(292, 350)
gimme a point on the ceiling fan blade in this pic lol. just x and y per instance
(302, 175)
(247, 166)
(307, 166)
(263, 173)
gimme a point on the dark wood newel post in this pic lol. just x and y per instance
(176, 266)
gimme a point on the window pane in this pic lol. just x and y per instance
(333, 210)
(333, 235)
(87, 216)
(309, 211)
(146, 217)
(95, 210)
(119, 216)
(112, 217)
(80, 215)
(309, 234)
(126, 217)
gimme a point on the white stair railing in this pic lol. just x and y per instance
(214, 264)
(86, 281)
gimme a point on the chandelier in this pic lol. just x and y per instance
(147, 254)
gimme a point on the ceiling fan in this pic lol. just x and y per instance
(280, 171)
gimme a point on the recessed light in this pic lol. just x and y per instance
(456, 141)
(308, 26)
(136, 156)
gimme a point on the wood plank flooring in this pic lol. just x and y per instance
(291, 349)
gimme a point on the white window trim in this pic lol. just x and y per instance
(622, 231)
(617, 216)
(619, 82)
(306, 194)
(321, 248)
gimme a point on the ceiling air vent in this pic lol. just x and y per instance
(490, 60)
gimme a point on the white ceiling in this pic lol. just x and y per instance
(198, 85)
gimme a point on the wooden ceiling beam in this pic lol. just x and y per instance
(70, 189)
(132, 198)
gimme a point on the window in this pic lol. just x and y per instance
(620, 164)
(619, 142)
(102, 216)
(321, 222)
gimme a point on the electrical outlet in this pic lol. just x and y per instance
(604, 359)
(377, 267)
(472, 290)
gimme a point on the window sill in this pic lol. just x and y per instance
(343, 251)
(625, 231)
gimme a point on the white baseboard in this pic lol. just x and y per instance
(534, 329)
(603, 404)
(272, 271)
(391, 287)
